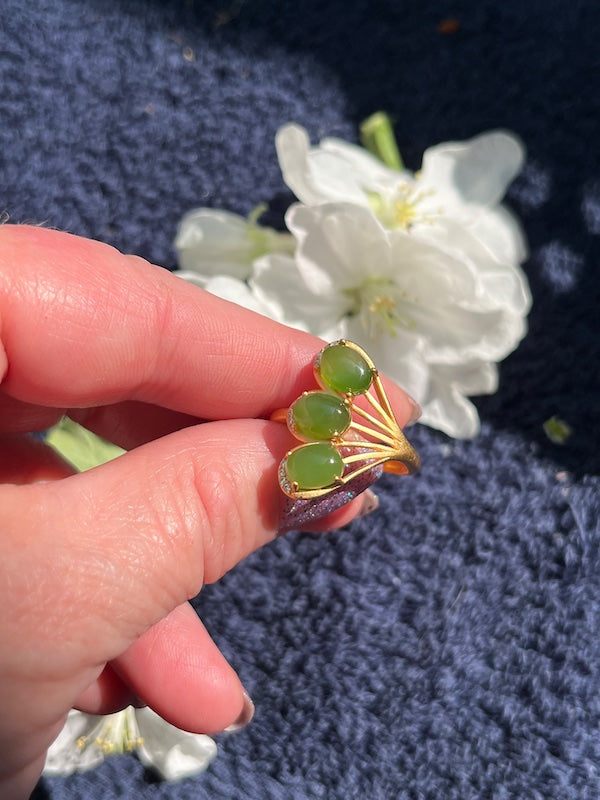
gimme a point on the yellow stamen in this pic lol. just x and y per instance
(400, 208)
(380, 303)
(116, 733)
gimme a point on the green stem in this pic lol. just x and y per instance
(377, 136)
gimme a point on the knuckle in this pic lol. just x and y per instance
(220, 504)
(200, 519)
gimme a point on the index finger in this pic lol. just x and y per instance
(84, 325)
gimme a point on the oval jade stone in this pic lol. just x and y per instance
(344, 370)
(314, 466)
(319, 416)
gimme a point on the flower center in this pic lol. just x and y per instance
(381, 305)
(399, 208)
(116, 733)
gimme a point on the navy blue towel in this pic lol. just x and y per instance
(448, 646)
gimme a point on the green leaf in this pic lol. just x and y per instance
(557, 430)
(80, 447)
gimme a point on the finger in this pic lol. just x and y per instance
(19, 417)
(24, 459)
(107, 694)
(130, 424)
(142, 533)
(177, 670)
(139, 422)
(109, 327)
(21, 782)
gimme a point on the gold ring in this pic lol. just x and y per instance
(347, 427)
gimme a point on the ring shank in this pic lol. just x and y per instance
(280, 415)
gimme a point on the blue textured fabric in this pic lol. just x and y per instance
(447, 646)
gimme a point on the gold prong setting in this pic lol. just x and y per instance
(369, 437)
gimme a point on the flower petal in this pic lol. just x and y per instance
(453, 332)
(500, 232)
(213, 242)
(312, 175)
(173, 753)
(338, 245)
(476, 171)
(448, 408)
(362, 168)
(280, 289)
(464, 303)
(228, 288)
(450, 411)
(332, 171)
(472, 377)
(480, 280)
(64, 756)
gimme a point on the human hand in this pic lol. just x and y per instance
(97, 567)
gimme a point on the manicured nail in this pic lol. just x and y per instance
(369, 504)
(244, 718)
(415, 411)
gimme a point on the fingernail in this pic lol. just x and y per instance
(245, 717)
(415, 411)
(369, 504)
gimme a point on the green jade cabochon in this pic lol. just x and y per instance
(319, 416)
(314, 466)
(344, 370)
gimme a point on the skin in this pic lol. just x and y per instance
(96, 569)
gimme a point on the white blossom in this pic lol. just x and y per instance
(243, 294)
(214, 242)
(422, 270)
(436, 319)
(462, 182)
(86, 740)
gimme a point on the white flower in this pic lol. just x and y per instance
(242, 293)
(435, 317)
(213, 242)
(228, 288)
(422, 270)
(86, 740)
(462, 182)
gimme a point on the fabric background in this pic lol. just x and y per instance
(447, 646)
